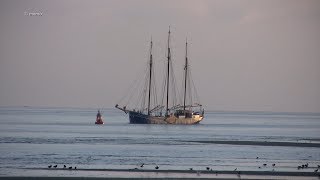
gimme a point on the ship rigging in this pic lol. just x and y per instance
(188, 111)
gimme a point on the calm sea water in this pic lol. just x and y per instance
(37, 137)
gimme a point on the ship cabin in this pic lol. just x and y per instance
(183, 113)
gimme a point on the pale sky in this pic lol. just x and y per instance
(246, 55)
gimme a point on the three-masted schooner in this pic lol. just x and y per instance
(188, 113)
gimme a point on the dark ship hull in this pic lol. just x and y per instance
(139, 118)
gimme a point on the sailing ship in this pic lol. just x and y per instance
(165, 113)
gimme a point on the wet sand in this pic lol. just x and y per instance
(269, 173)
(108, 178)
(261, 143)
(93, 174)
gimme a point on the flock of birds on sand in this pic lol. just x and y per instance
(64, 167)
(303, 166)
(142, 165)
(239, 172)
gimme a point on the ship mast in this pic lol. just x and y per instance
(168, 70)
(150, 75)
(185, 77)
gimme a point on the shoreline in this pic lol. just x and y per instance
(214, 172)
(99, 173)
(261, 143)
(119, 178)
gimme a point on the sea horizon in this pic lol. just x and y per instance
(206, 110)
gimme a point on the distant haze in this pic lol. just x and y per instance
(245, 55)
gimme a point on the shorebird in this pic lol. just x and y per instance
(259, 167)
(55, 166)
(70, 167)
(64, 166)
(306, 165)
(208, 168)
(75, 167)
(142, 165)
(190, 169)
(316, 170)
(50, 166)
(299, 167)
(257, 157)
(235, 169)
(264, 164)
(157, 167)
(273, 165)
(318, 166)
